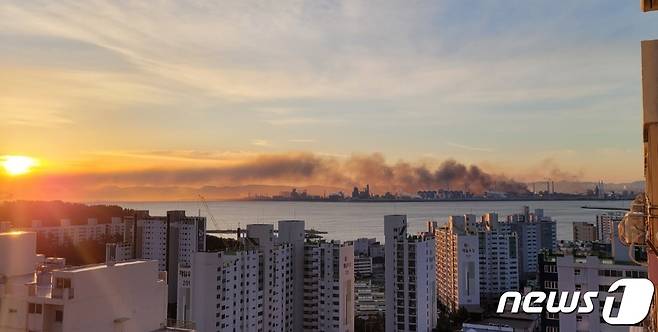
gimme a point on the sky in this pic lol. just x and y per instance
(525, 90)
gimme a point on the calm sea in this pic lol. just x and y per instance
(348, 221)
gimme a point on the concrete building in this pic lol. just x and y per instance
(583, 231)
(535, 232)
(362, 246)
(292, 232)
(499, 258)
(69, 233)
(370, 299)
(42, 295)
(172, 240)
(221, 291)
(569, 273)
(329, 287)
(410, 277)
(457, 264)
(363, 266)
(276, 274)
(606, 224)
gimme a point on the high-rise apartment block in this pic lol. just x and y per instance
(255, 287)
(583, 231)
(583, 274)
(457, 264)
(499, 258)
(221, 291)
(172, 240)
(410, 277)
(329, 287)
(535, 233)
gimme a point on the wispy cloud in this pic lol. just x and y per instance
(302, 140)
(470, 147)
(261, 142)
(241, 69)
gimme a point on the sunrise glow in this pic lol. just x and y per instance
(18, 165)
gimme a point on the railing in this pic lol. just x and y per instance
(180, 324)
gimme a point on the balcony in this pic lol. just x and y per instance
(63, 293)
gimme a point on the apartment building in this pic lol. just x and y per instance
(222, 291)
(410, 277)
(329, 286)
(293, 233)
(535, 233)
(276, 277)
(606, 224)
(171, 240)
(583, 231)
(457, 264)
(499, 258)
(583, 274)
(370, 299)
(42, 295)
(69, 233)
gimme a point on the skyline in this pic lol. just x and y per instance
(527, 91)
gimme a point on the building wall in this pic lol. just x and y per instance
(410, 278)
(292, 232)
(221, 292)
(276, 272)
(329, 287)
(457, 265)
(568, 273)
(583, 231)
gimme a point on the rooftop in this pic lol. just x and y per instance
(92, 267)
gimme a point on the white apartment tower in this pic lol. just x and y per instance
(292, 232)
(583, 274)
(221, 291)
(498, 254)
(41, 295)
(535, 232)
(172, 241)
(410, 278)
(329, 287)
(276, 274)
(457, 264)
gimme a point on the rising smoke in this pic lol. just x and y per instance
(302, 169)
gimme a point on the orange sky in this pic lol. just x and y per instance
(125, 99)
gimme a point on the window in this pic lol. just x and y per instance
(59, 316)
(576, 272)
(34, 308)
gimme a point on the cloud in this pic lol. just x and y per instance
(470, 148)
(299, 169)
(302, 140)
(261, 142)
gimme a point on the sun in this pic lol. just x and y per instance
(18, 165)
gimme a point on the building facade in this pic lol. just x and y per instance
(457, 265)
(42, 295)
(583, 274)
(329, 287)
(410, 277)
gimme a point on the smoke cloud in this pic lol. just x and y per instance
(275, 170)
